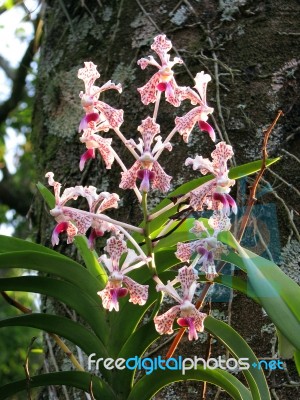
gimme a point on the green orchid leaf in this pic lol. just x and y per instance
(278, 294)
(63, 267)
(285, 349)
(90, 259)
(136, 345)
(47, 195)
(9, 244)
(80, 380)
(150, 384)
(66, 292)
(297, 360)
(238, 347)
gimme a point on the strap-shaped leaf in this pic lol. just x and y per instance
(146, 387)
(136, 345)
(73, 331)
(297, 360)
(80, 380)
(66, 292)
(63, 267)
(275, 291)
(90, 259)
(9, 244)
(47, 195)
(239, 348)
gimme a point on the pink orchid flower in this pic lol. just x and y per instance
(189, 316)
(208, 248)
(98, 205)
(96, 110)
(185, 124)
(64, 218)
(163, 80)
(215, 193)
(146, 167)
(95, 142)
(117, 276)
(72, 221)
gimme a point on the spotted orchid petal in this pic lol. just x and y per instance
(113, 116)
(219, 222)
(128, 179)
(161, 180)
(201, 197)
(148, 91)
(138, 293)
(164, 322)
(188, 280)
(89, 75)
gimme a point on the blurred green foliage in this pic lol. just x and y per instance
(15, 341)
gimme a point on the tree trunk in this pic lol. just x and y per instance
(251, 50)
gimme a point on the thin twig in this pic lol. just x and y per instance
(207, 356)
(252, 196)
(285, 182)
(52, 356)
(291, 155)
(26, 367)
(275, 194)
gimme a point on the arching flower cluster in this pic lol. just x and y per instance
(99, 117)
(77, 222)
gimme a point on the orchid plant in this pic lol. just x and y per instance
(139, 263)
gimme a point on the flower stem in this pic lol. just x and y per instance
(147, 234)
(124, 140)
(167, 139)
(103, 217)
(130, 238)
(156, 106)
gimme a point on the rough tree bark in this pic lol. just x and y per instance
(251, 49)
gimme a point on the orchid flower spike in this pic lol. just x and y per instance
(99, 116)
(146, 167)
(163, 80)
(186, 123)
(119, 285)
(189, 316)
(215, 193)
